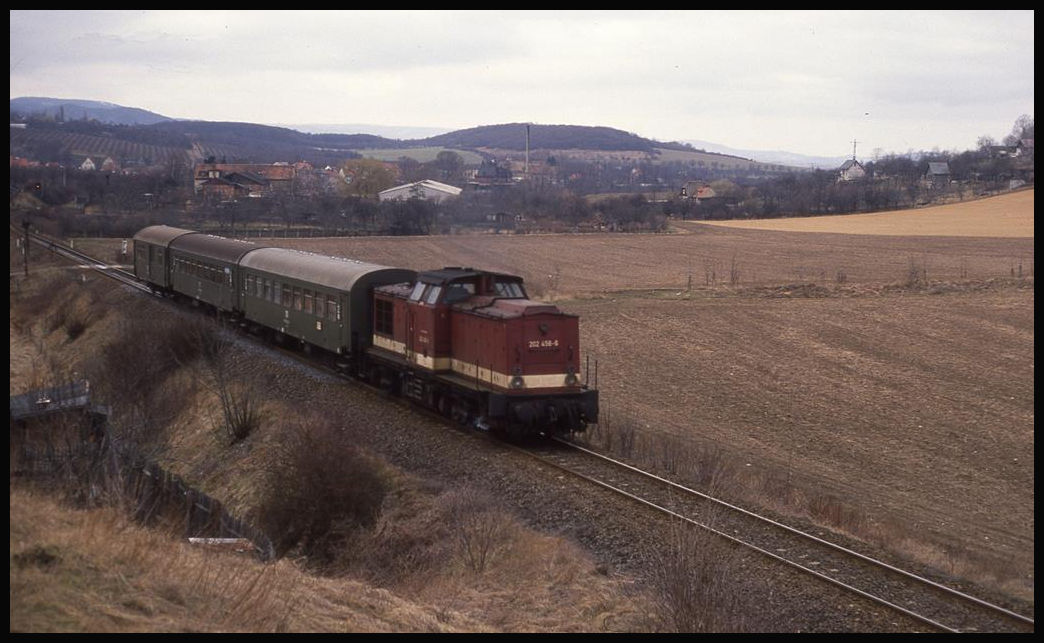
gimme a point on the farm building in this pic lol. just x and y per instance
(426, 189)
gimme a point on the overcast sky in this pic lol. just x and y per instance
(808, 82)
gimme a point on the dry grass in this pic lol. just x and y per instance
(94, 571)
(1008, 215)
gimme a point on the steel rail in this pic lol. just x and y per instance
(826, 543)
(928, 583)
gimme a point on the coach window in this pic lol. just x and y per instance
(320, 308)
(287, 299)
(248, 287)
(297, 298)
(331, 308)
(308, 301)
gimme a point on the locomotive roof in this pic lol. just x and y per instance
(214, 247)
(446, 275)
(161, 235)
(334, 272)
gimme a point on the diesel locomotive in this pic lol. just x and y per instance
(467, 343)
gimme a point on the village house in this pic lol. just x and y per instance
(254, 179)
(490, 175)
(697, 190)
(851, 170)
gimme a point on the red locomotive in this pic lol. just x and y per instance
(472, 345)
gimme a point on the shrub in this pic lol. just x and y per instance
(481, 528)
(318, 489)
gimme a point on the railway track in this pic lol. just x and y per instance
(918, 598)
(926, 601)
(117, 273)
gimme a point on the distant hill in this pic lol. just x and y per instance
(71, 109)
(774, 156)
(397, 132)
(61, 128)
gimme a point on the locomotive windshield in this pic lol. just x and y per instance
(460, 285)
(509, 289)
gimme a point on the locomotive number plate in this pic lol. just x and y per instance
(543, 344)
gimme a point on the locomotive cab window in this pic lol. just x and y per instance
(418, 289)
(459, 292)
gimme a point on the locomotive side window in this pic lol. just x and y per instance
(384, 321)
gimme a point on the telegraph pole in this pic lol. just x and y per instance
(25, 250)
(526, 171)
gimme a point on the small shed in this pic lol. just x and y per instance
(938, 174)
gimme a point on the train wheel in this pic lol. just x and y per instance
(460, 414)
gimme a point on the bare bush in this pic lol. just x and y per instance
(481, 528)
(241, 407)
(699, 583)
(319, 489)
(132, 370)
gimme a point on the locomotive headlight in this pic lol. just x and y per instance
(571, 379)
(518, 382)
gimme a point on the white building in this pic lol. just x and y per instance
(426, 189)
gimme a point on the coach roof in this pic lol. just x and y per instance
(333, 272)
(160, 235)
(213, 247)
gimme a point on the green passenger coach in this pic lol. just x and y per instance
(324, 301)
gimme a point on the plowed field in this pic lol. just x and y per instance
(889, 371)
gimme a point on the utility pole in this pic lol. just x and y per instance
(526, 170)
(25, 250)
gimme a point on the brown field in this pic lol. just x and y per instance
(1010, 215)
(890, 377)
